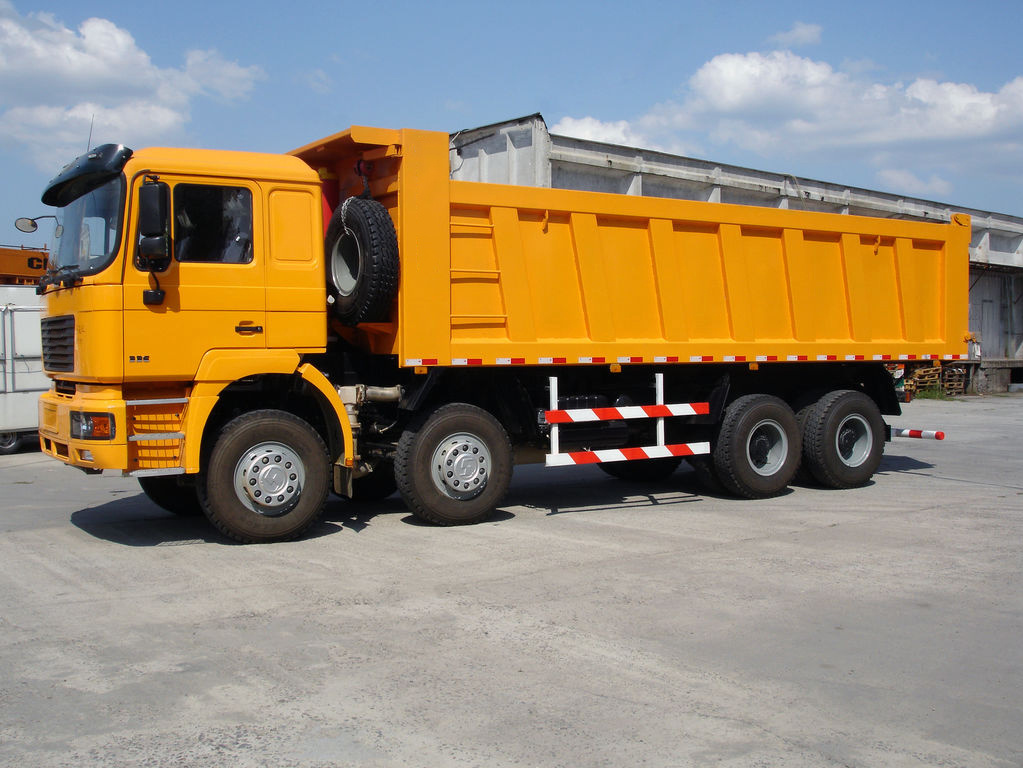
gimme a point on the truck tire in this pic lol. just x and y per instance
(362, 261)
(757, 448)
(642, 470)
(165, 492)
(453, 465)
(803, 475)
(10, 442)
(267, 478)
(377, 485)
(843, 439)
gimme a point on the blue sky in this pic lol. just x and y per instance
(917, 98)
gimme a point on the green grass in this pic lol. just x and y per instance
(932, 393)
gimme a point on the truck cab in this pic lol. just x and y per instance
(178, 274)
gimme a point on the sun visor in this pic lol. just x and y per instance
(85, 173)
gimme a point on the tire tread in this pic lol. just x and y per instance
(377, 283)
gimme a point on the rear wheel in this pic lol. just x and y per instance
(757, 448)
(453, 465)
(843, 439)
(165, 492)
(803, 475)
(643, 470)
(267, 478)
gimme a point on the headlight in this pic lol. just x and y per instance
(92, 426)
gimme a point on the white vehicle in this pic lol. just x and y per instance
(21, 365)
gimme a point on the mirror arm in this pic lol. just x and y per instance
(154, 296)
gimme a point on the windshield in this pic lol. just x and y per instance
(89, 230)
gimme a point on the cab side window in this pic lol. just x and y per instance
(212, 224)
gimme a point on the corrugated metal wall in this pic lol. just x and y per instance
(996, 313)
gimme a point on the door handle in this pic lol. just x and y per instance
(248, 329)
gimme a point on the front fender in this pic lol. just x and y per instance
(221, 368)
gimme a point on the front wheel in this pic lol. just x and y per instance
(757, 448)
(267, 478)
(453, 465)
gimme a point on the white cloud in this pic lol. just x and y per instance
(208, 72)
(907, 182)
(780, 105)
(56, 81)
(319, 81)
(592, 129)
(776, 83)
(800, 34)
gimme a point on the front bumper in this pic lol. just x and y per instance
(91, 455)
(148, 437)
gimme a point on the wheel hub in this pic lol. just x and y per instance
(268, 479)
(346, 263)
(461, 466)
(767, 447)
(854, 440)
(759, 448)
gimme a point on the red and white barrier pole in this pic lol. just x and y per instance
(922, 433)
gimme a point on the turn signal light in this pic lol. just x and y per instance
(92, 426)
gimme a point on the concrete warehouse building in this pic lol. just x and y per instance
(523, 151)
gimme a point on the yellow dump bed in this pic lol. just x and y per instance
(509, 275)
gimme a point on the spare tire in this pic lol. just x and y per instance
(361, 249)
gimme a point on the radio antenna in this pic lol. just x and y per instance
(92, 122)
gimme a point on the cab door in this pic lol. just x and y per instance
(214, 291)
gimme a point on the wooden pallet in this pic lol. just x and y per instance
(953, 380)
(925, 378)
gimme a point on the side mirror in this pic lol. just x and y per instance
(26, 225)
(153, 254)
(153, 219)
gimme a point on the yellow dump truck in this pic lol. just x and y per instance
(245, 333)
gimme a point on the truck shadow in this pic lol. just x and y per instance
(551, 491)
(574, 490)
(134, 521)
(891, 463)
(358, 515)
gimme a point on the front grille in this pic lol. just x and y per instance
(59, 343)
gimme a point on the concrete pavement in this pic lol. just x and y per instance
(593, 622)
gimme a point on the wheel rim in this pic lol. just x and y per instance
(767, 447)
(8, 439)
(268, 479)
(346, 263)
(461, 466)
(853, 440)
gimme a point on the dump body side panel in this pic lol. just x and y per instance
(539, 275)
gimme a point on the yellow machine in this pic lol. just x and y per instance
(21, 265)
(244, 332)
